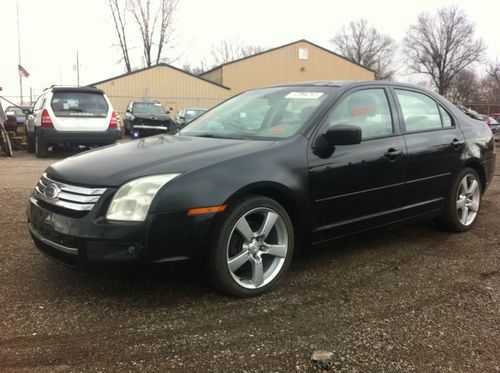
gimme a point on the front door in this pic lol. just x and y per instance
(359, 186)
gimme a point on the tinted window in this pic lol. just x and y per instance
(148, 108)
(419, 111)
(445, 118)
(268, 113)
(368, 109)
(71, 104)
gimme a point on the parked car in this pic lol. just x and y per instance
(350, 157)
(187, 115)
(469, 112)
(67, 116)
(493, 120)
(19, 112)
(146, 118)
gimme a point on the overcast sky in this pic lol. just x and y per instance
(53, 30)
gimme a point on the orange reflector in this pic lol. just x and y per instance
(207, 210)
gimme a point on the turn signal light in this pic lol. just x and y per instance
(46, 119)
(206, 210)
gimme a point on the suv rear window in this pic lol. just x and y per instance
(79, 104)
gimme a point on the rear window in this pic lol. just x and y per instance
(79, 104)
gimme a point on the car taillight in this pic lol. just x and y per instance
(113, 123)
(46, 119)
(488, 121)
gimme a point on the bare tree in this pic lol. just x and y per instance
(491, 82)
(119, 17)
(363, 44)
(155, 22)
(465, 88)
(228, 50)
(442, 46)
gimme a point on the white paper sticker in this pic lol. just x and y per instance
(306, 95)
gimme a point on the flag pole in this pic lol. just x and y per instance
(19, 54)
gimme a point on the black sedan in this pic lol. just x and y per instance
(327, 160)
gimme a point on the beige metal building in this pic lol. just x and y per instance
(171, 86)
(297, 61)
(177, 89)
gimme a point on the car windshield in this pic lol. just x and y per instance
(85, 104)
(14, 110)
(263, 114)
(193, 113)
(148, 108)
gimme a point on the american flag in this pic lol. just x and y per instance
(22, 71)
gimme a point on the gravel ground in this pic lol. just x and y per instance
(412, 299)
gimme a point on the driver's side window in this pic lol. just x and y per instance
(369, 109)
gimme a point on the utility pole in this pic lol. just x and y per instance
(19, 54)
(77, 69)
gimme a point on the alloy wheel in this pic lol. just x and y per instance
(468, 199)
(257, 248)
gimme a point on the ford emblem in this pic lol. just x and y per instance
(51, 191)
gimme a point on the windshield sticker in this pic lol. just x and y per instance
(306, 95)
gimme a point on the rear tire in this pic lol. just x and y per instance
(30, 144)
(41, 148)
(252, 247)
(463, 201)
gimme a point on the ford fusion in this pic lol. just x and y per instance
(268, 171)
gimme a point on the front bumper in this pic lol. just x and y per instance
(81, 240)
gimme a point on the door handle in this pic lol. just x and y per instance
(392, 154)
(457, 144)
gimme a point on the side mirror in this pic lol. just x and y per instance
(342, 134)
(128, 110)
(27, 111)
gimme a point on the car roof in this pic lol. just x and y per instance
(346, 83)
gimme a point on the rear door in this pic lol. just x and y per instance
(435, 144)
(79, 111)
(359, 186)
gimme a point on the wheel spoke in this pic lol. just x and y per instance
(269, 221)
(276, 250)
(237, 261)
(465, 214)
(244, 229)
(474, 206)
(461, 202)
(463, 186)
(257, 272)
(473, 187)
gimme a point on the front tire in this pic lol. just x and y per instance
(252, 248)
(463, 201)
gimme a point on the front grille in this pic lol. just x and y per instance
(67, 196)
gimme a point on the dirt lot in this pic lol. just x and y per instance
(412, 299)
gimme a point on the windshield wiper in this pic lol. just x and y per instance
(212, 136)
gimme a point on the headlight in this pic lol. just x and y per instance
(131, 202)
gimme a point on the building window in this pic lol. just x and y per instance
(303, 53)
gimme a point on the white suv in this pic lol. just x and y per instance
(66, 116)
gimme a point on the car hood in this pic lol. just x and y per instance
(118, 163)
